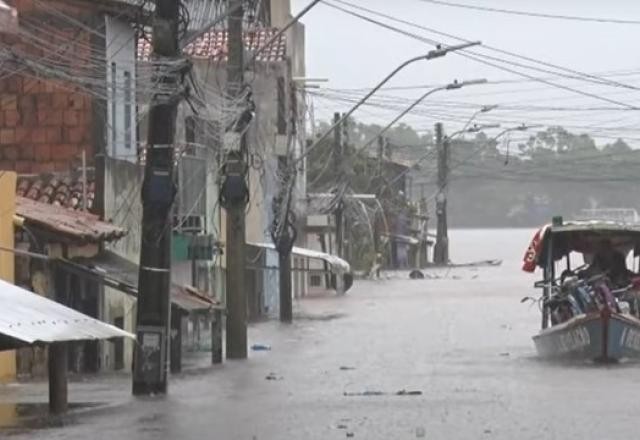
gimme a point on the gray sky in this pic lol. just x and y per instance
(355, 54)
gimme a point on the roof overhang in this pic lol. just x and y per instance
(585, 236)
(338, 265)
(121, 274)
(66, 224)
(28, 319)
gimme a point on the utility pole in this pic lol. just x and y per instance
(153, 316)
(441, 249)
(235, 195)
(337, 166)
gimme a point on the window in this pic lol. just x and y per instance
(127, 110)
(114, 132)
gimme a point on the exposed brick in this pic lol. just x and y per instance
(9, 152)
(25, 152)
(7, 165)
(43, 100)
(61, 166)
(63, 152)
(14, 84)
(54, 135)
(8, 102)
(50, 117)
(76, 102)
(27, 102)
(29, 117)
(61, 101)
(11, 118)
(74, 135)
(71, 118)
(31, 85)
(43, 167)
(42, 152)
(39, 135)
(25, 6)
(23, 166)
(23, 134)
(7, 136)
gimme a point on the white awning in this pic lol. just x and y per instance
(338, 265)
(27, 318)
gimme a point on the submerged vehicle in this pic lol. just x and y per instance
(591, 311)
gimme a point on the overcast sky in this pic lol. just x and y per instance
(354, 54)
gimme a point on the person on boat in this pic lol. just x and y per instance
(619, 274)
(608, 261)
(601, 262)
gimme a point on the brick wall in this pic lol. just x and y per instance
(45, 124)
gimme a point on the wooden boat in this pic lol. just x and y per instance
(607, 329)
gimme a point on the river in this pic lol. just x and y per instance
(461, 340)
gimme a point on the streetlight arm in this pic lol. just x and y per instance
(400, 116)
(353, 109)
(452, 86)
(442, 51)
(435, 53)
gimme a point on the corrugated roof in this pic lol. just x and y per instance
(213, 46)
(28, 318)
(110, 266)
(187, 298)
(76, 225)
(337, 264)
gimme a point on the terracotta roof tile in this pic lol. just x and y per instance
(213, 45)
(58, 190)
(54, 202)
(76, 225)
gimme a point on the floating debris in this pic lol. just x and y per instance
(382, 393)
(408, 393)
(273, 376)
(260, 347)
(364, 393)
(346, 368)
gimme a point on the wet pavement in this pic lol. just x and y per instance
(459, 346)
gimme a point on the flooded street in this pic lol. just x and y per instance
(463, 340)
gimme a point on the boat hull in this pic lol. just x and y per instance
(601, 336)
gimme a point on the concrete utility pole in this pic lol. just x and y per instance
(158, 191)
(441, 249)
(337, 163)
(284, 237)
(235, 195)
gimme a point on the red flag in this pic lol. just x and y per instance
(533, 251)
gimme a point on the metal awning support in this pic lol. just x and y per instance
(29, 319)
(121, 274)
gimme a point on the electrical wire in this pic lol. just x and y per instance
(532, 14)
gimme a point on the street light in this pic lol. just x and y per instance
(522, 127)
(451, 86)
(476, 128)
(432, 54)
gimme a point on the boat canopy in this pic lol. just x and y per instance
(582, 237)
